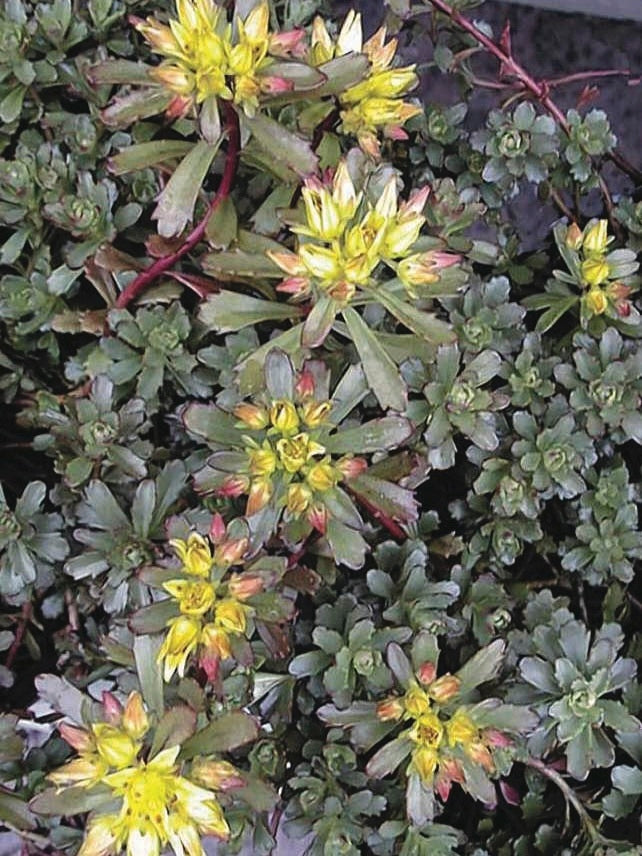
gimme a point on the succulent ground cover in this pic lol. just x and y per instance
(319, 524)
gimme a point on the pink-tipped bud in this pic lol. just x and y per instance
(234, 486)
(318, 517)
(288, 43)
(297, 285)
(218, 775)
(305, 384)
(497, 738)
(112, 708)
(623, 308)
(390, 709)
(426, 673)
(350, 468)
(210, 664)
(230, 552)
(395, 132)
(510, 794)
(78, 738)
(178, 107)
(217, 529)
(242, 586)
(251, 415)
(445, 688)
(276, 85)
(416, 202)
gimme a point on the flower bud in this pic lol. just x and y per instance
(284, 417)
(298, 499)
(596, 238)
(230, 615)
(426, 673)
(305, 384)
(195, 554)
(322, 476)
(242, 586)
(595, 271)
(425, 759)
(390, 709)
(112, 708)
(217, 528)
(496, 738)
(318, 517)
(416, 702)
(251, 415)
(480, 754)
(135, 721)
(234, 486)
(259, 496)
(574, 237)
(215, 642)
(217, 775)
(444, 688)
(596, 301)
(78, 738)
(350, 467)
(315, 413)
(231, 552)
(288, 43)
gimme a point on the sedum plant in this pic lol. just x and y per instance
(319, 525)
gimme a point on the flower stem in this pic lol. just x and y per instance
(539, 89)
(165, 263)
(21, 629)
(569, 794)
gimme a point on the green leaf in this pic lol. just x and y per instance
(174, 728)
(318, 323)
(389, 432)
(217, 426)
(119, 71)
(147, 154)
(176, 203)
(11, 104)
(150, 676)
(53, 801)
(422, 323)
(226, 732)
(482, 666)
(400, 664)
(394, 501)
(153, 618)
(282, 145)
(230, 311)
(222, 227)
(341, 73)
(304, 77)
(138, 105)
(15, 811)
(347, 545)
(380, 370)
(389, 757)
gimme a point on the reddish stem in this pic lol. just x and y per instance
(21, 629)
(539, 89)
(387, 522)
(138, 285)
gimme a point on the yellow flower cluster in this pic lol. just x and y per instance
(209, 613)
(158, 806)
(436, 739)
(288, 450)
(346, 237)
(592, 244)
(374, 104)
(206, 59)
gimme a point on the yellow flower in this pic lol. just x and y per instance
(263, 460)
(101, 838)
(425, 759)
(231, 615)
(597, 301)
(428, 730)
(87, 770)
(180, 641)
(322, 476)
(194, 598)
(595, 271)
(216, 643)
(116, 747)
(460, 729)
(195, 554)
(416, 702)
(315, 413)
(296, 451)
(596, 239)
(161, 807)
(284, 417)
(298, 499)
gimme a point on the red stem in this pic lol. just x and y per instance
(21, 629)
(138, 285)
(539, 89)
(387, 522)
